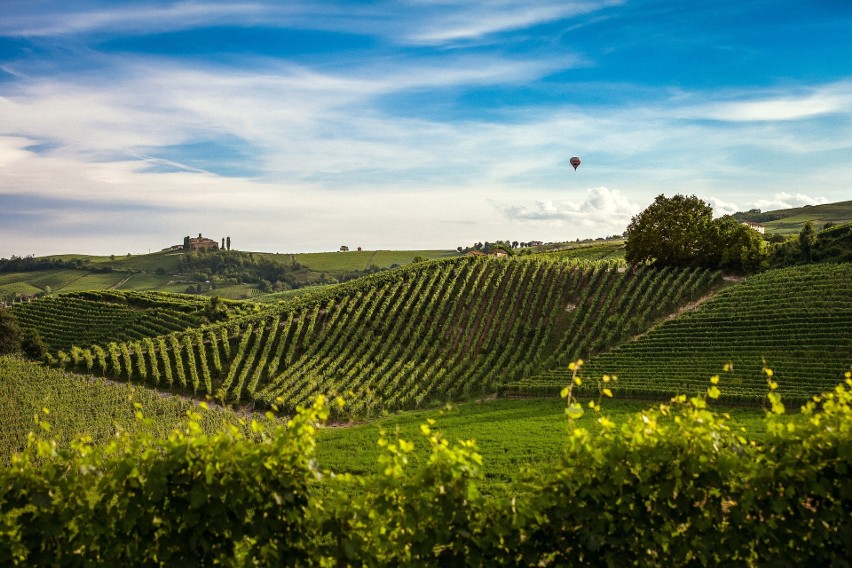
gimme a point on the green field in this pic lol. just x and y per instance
(100, 317)
(610, 251)
(165, 272)
(519, 438)
(360, 260)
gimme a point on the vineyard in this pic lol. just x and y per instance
(795, 321)
(79, 406)
(94, 317)
(427, 332)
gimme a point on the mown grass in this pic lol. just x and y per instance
(518, 438)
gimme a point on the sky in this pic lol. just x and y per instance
(301, 126)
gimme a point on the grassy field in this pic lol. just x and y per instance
(518, 438)
(360, 260)
(612, 251)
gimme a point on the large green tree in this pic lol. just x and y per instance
(738, 247)
(681, 231)
(672, 231)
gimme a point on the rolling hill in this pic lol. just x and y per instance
(428, 332)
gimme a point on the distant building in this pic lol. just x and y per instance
(499, 253)
(535, 243)
(756, 226)
(475, 253)
(199, 243)
(344, 248)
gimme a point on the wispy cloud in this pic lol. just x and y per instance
(29, 20)
(452, 22)
(780, 106)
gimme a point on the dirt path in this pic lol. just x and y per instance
(690, 306)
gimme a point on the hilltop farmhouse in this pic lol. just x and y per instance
(199, 243)
(756, 226)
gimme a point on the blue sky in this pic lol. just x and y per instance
(303, 126)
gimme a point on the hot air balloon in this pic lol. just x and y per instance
(575, 161)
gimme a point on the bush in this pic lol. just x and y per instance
(10, 333)
(675, 485)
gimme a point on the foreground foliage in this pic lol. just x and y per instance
(675, 485)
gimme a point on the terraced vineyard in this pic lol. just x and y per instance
(86, 318)
(798, 320)
(432, 331)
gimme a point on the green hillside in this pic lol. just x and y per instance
(798, 320)
(228, 274)
(789, 221)
(428, 332)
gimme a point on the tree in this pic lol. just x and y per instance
(807, 240)
(10, 333)
(228, 242)
(671, 232)
(739, 248)
(186, 243)
(33, 345)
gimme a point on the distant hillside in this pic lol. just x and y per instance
(227, 274)
(788, 221)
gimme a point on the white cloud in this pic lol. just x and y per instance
(12, 149)
(721, 207)
(785, 200)
(603, 210)
(80, 18)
